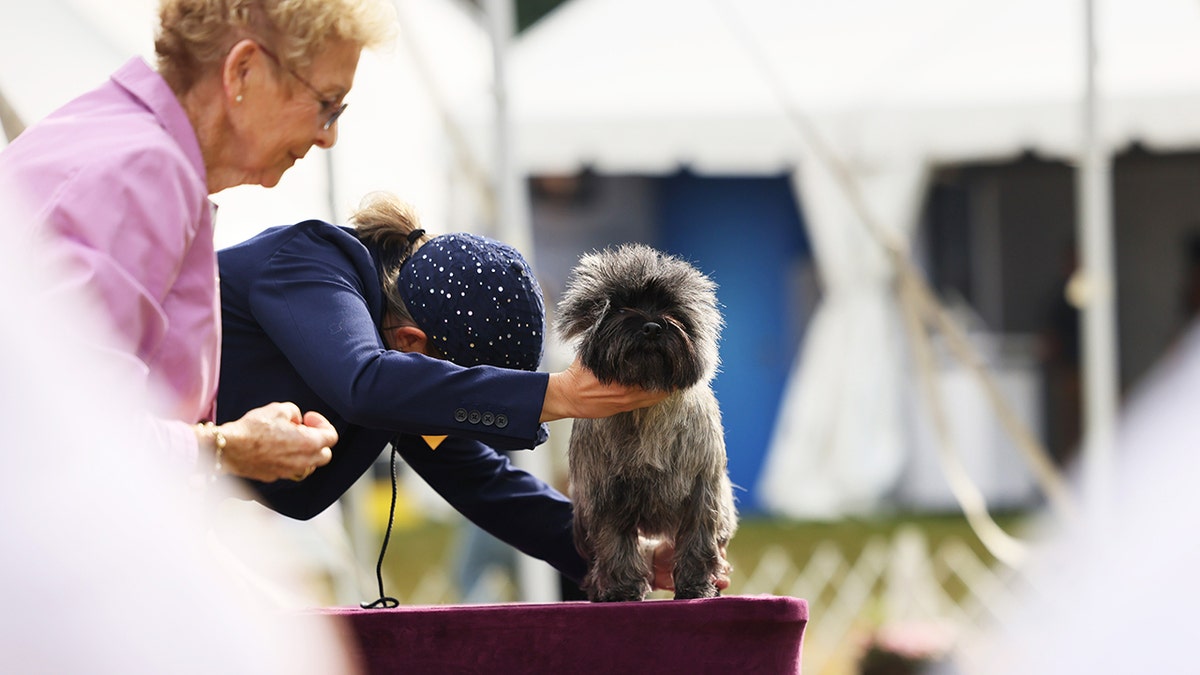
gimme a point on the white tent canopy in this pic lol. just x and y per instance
(892, 88)
(630, 85)
(392, 137)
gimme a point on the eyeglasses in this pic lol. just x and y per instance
(329, 107)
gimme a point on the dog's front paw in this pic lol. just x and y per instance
(620, 594)
(693, 591)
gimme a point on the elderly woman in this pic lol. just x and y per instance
(118, 182)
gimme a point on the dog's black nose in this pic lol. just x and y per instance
(651, 329)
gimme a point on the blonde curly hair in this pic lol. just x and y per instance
(195, 35)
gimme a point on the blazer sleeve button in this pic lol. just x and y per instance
(501, 421)
(460, 415)
(473, 418)
(488, 419)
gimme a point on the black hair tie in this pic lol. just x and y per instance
(410, 241)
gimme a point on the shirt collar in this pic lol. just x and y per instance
(147, 86)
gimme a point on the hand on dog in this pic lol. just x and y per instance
(662, 554)
(577, 392)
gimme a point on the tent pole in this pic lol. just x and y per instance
(536, 581)
(1099, 336)
(511, 218)
(331, 186)
(10, 121)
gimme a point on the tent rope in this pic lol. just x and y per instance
(919, 302)
(974, 506)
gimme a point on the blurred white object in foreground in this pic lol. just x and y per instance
(106, 567)
(1118, 592)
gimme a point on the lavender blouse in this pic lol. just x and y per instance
(116, 180)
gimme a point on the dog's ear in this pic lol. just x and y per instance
(578, 318)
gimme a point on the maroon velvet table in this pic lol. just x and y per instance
(736, 634)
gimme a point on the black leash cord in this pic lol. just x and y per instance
(384, 601)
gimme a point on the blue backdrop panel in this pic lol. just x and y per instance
(746, 234)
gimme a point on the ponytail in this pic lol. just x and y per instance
(389, 225)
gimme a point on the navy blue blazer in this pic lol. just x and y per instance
(301, 307)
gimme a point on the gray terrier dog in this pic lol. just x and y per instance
(641, 317)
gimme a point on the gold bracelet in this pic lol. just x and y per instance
(218, 443)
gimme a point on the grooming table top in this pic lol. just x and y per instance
(734, 634)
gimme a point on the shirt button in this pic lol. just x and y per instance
(460, 415)
(488, 419)
(473, 418)
(501, 421)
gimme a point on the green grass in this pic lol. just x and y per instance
(417, 549)
(800, 538)
(413, 552)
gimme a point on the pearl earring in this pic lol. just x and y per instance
(238, 98)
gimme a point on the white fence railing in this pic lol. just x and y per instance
(894, 585)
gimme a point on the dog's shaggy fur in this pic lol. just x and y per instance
(641, 317)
